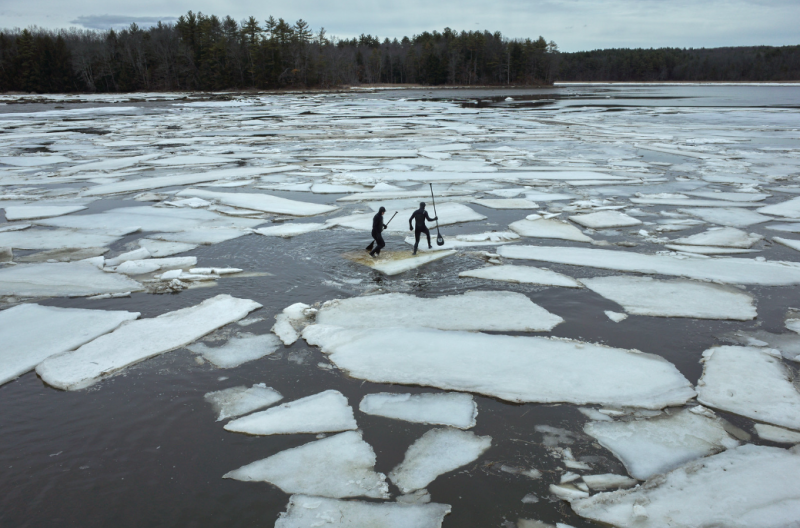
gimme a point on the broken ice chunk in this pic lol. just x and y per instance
(62, 279)
(793, 325)
(617, 317)
(320, 413)
(288, 322)
(396, 262)
(437, 452)
(567, 492)
(261, 202)
(338, 466)
(548, 228)
(508, 203)
(522, 275)
(657, 445)
(726, 236)
(608, 481)
(605, 220)
(728, 216)
(30, 212)
(291, 229)
(777, 434)
(788, 209)
(454, 409)
(236, 401)
(140, 267)
(239, 350)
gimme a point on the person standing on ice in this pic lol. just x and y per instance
(377, 227)
(420, 215)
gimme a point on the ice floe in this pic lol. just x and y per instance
(337, 467)
(62, 279)
(236, 401)
(478, 310)
(454, 409)
(709, 250)
(437, 452)
(777, 434)
(492, 238)
(31, 333)
(608, 481)
(728, 216)
(146, 184)
(449, 213)
(522, 275)
(787, 209)
(517, 369)
(289, 322)
(238, 350)
(509, 203)
(751, 382)
(674, 298)
(139, 340)
(289, 230)
(30, 212)
(396, 262)
(605, 220)
(725, 236)
(55, 239)
(791, 243)
(548, 228)
(306, 512)
(325, 412)
(262, 202)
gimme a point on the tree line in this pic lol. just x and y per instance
(201, 52)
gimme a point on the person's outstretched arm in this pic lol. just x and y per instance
(429, 217)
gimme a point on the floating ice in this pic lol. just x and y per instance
(608, 481)
(749, 381)
(55, 239)
(337, 467)
(749, 486)
(175, 161)
(238, 350)
(146, 184)
(289, 230)
(478, 310)
(140, 340)
(517, 369)
(139, 267)
(396, 262)
(726, 236)
(551, 228)
(492, 238)
(262, 202)
(731, 196)
(730, 270)
(454, 409)
(777, 434)
(236, 401)
(319, 413)
(794, 244)
(787, 209)
(728, 216)
(692, 202)
(605, 220)
(437, 452)
(195, 237)
(30, 212)
(30, 333)
(307, 512)
(510, 203)
(522, 275)
(615, 316)
(709, 250)
(674, 298)
(62, 279)
(286, 321)
(660, 444)
(788, 228)
(136, 254)
(793, 325)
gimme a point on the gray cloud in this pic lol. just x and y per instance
(119, 21)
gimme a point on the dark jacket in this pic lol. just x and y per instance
(420, 215)
(377, 223)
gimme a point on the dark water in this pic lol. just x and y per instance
(142, 449)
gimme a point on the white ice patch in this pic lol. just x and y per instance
(674, 298)
(522, 275)
(454, 409)
(437, 452)
(517, 369)
(605, 220)
(146, 184)
(325, 412)
(262, 202)
(472, 311)
(140, 267)
(777, 434)
(510, 203)
(542, 228)
(794, 244)
(289, 230)
(615, 316)
(728, 216)
(492, 238)
(308, 512)
(608, 481)
(30, 333)
(746, 487)
(726, 237)
(788, 209)
(62, 279)
(236, 401)
(159, 248)
(238, 350)
(139, 340)
(751, 382)
(709, 250)
(338, 466)
(288, 322)
(729, 270)
(55, 239)
(30, 212)
(394, 263)
(660, 444)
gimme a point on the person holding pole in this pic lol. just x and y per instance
(419, 216)
(377, 227)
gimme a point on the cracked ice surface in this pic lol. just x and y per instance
(238, 350)
(454, 409)
(517, 369)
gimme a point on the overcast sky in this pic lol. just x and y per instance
(573, 24)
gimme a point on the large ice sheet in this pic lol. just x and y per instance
(788, 209)
(491, 238)
(522, 275)
(236, 401)
(291, 229)
(30, 333)
(749, 381)
(140, 340)
(548, 228)
(728, 216)
(30, 212)
(262, 202)
(517, 369)
(729, 270)
(777, 434)
(509, 203)
(144, 184)
(660, 444)
(437, 452)
(725, 236)
(478, 310)
(311, 512)
(674, 298)
(159, 248)
(55, 239)
(605, 219)
(238, 350)
(788, 242)
(325, 412)
(338, 466)
(62, 279)
(746, 487)
(451, 408)
(396, 262)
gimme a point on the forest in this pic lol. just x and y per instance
(201, 52)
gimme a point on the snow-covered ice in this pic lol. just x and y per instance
(777, 434)
(725, 236)
(517, 369)
(787, 209)
(508, 203)
(286, 322)
(709, 250)
(522, 275)
(319, 413)
(337, 467)
(608, 481)
(452, 408)
(291, 229)
(238, 350)
(30, 212)
(55, 239)
(261, 202)
(674, 298)
(438, 451)
(751, 382)
(396, 262)
(548, 228)
(478, 310)
(728, 216)
(788, 242)
(139, 340)
(307, 512)
(605, 220)
(62, 279)
(236, 401)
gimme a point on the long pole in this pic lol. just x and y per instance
(439, 239)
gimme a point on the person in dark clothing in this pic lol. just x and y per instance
(419, 216)
(377, 227)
